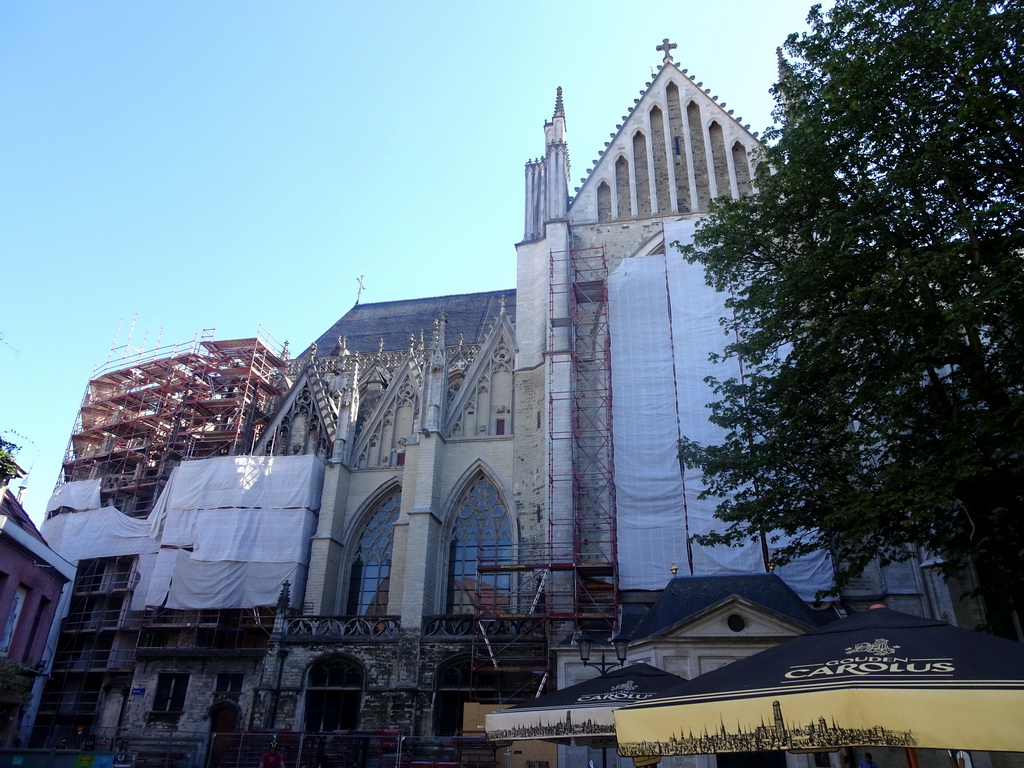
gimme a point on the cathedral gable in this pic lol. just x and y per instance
(480, 393)
(388, 416)
(306, 419)
(676, 149)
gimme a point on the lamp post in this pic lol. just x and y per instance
(586, 645)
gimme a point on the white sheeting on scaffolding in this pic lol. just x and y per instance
(201, 584)
(242, 526)
(225, 533)
(664, 324)
(105, 532)
(247, 482)
(80, 494)
(92, 533)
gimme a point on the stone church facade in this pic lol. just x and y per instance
(469, 529)
(469, 429)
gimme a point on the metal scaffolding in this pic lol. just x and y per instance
(579, 305)
(145, 412)
(531, 596)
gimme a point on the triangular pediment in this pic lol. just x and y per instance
(390, 422)
(311, 395)
(734, 617)
(676, 149)
(483, 380)
(719, 634)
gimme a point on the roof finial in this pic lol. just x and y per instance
(559, 107)
(785, 73)
(667, 47)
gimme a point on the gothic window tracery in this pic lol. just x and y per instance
(641, 171)
(481, 523)
(370, 575)
(334, 689)
(454, 383)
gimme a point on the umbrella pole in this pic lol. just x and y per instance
(911, 757)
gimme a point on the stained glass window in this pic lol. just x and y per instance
(371, 569)
(481, 520)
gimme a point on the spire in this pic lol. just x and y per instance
(785, 76)
(547, 178)
(437, 334)
(556, 163)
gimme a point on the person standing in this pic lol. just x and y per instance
(868, 761)
(272, 758)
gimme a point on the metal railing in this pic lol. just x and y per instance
(357, 628)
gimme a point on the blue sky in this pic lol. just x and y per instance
(169, 167)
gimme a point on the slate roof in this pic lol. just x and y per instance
(470, 315)
(10, 507)
(687, 596)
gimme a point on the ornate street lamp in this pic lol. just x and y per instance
(586, 645)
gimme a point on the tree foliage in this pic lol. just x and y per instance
(878, 296)
(15, 679)
(8, 466)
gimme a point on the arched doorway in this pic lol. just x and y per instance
(223, 720)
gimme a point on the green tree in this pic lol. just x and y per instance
(878, 297)
(15, 678)
(8, 466)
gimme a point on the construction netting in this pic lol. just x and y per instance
(225, 532)
(665, 324)
(81, 494)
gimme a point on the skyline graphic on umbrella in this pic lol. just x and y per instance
(878, 678)
(583, 711)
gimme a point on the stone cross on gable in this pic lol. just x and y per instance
(667, 47)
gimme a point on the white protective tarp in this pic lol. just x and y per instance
(233, 529)
(79, 494)
(225, 533)
(196, 584)
(105, 532)
(664, 323)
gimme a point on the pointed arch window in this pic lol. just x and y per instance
(481, 520)
(334, 689)
(457, 681)
(452, 691)
(370, 576)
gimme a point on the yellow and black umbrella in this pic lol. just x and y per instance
(581, 712)
(878, 678)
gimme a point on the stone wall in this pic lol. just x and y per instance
(399, 680)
